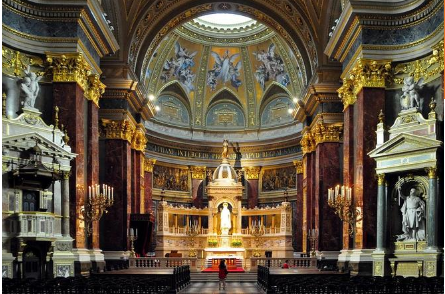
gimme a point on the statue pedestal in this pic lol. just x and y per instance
(225, 241)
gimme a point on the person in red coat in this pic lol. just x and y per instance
(222, 274)
(286, 264)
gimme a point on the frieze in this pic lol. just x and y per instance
(64, 246)
(278, 179)
(169, 178)
(217, 156)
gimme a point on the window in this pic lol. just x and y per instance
(30, 201)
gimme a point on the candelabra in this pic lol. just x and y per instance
(96, 205)
(257, 230)
(192, 231)
(313, 237)
(340, 199)
(133, 236)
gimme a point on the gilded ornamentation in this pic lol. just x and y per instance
(378, 268)
(200, 93)
(198, 172)
(123, 129)
(149, 164)
(170, 178)
(95, 89)
(427, 68)
(139, 141)
(299, 166)
(381, 179)
(430, 268)
(15, 63)
(252, 172)
(308, 143)
(56, 117)
(370, 73)
(432, 172)
(327, 133)
(70, 67)
(346, 93)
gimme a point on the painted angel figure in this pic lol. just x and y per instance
(30, 88)
(225, 69)
(410, 97)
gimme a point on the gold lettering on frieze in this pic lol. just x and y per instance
(123, 130)
(69, 67)
(198, 172)
(95, 89)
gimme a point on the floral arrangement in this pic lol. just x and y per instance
(236, 243)
(212, 243)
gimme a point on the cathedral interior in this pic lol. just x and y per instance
(145, 134)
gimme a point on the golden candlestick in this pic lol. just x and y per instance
(133, 237)
(192, 231)
(257, 230)
(96, 205)
(340, 199)
(313, 237)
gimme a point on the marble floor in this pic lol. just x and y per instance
(231, 287)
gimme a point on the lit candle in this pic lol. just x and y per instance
(89, 192)
(336, 190)
(112, 193)
(343, 191)
(136, 233)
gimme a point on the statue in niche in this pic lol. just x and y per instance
(225, 219)
(410, 97)
(413, 221)
(30, 88)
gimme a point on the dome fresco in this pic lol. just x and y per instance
(245, 60)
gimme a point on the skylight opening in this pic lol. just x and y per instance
(225, 19)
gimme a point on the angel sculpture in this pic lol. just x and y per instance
(30, 88)
(225, 70)
(410, 97)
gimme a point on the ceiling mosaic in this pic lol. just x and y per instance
(205, 65)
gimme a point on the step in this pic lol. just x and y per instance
(231, 277)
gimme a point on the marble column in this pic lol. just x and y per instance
(365, 120)
(348, 163)
(308, 194)
(137, 159)
(432, 208)
(252, 176)
(298, 216)
(327, 175)
(92, 158)
(69, 97)
(65, 206)
(117, 159)
(198, 176)
(148, 186)
(381, 214)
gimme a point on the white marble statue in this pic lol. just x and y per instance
(225, 220)
(410, 97)
(30, 88)
(413, 222)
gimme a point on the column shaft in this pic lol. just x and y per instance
(65, 206)
(381, 213)
(432, 210)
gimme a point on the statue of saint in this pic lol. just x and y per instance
(225, 219)
(413, 222)
(225, 152)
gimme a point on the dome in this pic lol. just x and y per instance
(226, 75)
(224, 174)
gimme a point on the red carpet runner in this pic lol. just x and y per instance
(215, 270)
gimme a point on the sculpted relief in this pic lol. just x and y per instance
(170, 178)
(278, 179)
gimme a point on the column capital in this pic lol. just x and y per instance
(308, 143)
(327, 133)
(95, 89)
(432, 172)
(149, 164)
(138, 140)
(299, 166)
(117, 129)
(346, 93)
(68, 67)
(252, 172)
(381, 179)
(198, 172)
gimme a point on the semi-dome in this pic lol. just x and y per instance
(224, 174)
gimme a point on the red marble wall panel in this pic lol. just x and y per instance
(367, 108)
(327, 175)
(197, 192)
(69, 98)
(118, 174)
(308, 187)
(252, 193)
(348, 162)
(136, 181)
(298, 217)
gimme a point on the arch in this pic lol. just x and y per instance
(275, 111)
(225, 113)
(285, 19)
(178, 90)
(271, 91)
(219, 96)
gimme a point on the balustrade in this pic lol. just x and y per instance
(162, 262)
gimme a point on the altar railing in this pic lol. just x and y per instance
(301, 262)
(162, 262)
(182, 231)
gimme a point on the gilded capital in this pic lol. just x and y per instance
(252, 172)
(149, 163)
(69, 67)
(381, 179)
(346, 93)
(118, 129)
(198, 172)
(327, 133)
(432, 172)
(370, 73)
(95, 89)
(15, 63)
(308, 143)
(299, 166)
(138, 141)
